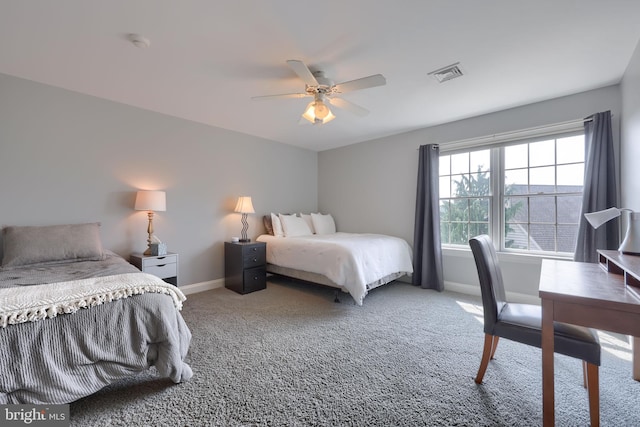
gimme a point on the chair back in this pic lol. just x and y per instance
(490, 275)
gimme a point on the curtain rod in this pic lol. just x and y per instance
(523, 133)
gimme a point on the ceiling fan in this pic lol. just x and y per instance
(324, 91)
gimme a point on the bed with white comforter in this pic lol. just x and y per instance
(354, 262)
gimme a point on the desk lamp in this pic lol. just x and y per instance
(631, 242)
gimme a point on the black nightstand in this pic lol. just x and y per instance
(245, 266)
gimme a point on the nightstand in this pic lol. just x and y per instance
(163, 266)
(245, 266)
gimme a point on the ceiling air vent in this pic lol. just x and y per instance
(447, 73)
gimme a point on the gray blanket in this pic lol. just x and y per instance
(62, 359)
(38, 274)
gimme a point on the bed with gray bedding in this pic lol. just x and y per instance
(71, 326)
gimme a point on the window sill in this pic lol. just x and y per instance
(516, 257)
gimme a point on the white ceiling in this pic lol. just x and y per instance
(209, 57)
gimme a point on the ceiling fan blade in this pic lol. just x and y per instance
(282, 95)
(303, 72)
(363, 83)
(349, 106)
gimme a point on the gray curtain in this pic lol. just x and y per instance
(600, 190)
(427, 250)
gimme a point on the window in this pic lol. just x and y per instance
(465, 196)
(526, 195)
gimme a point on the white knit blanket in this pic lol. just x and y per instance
(33, 303)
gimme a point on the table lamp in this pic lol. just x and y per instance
(151, 201)
(631, 242)
(244, 206)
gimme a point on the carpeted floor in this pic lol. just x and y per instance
(290, 356)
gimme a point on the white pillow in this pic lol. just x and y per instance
(323, 224)
(294, 226)
(307, 218)
(277, 226)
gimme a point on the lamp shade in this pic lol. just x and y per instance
(596, 219)
(317, 112)
(151, 201)
(244, 205)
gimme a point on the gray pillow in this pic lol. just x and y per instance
(26, 245)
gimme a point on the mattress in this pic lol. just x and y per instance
(355, 262)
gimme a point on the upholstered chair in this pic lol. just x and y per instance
(523, 322)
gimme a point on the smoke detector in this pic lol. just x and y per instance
(139, 41)
(447, 73)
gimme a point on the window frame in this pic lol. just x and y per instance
(497, 182)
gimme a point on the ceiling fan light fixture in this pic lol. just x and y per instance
(317, 112)
(320, 110)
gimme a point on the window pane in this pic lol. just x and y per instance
(542, 237)
(459, 210)
(542, 179)
(515, 156)
(459, 233)
(460, 163)
(445, 209)
(516, 236)
(571, 175)
(542, 209)
(479, 210)
(444, 233)
(444, 167)
(480, 160)
(516, 209)
(569, 209)
(542, 153)
(516, 181)
(571, 149)
(445, 186)
(567, 238)
(477, 229)
(479, 184)
(459, 185)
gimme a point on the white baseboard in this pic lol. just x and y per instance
(194, 288)
(475, 290)
(448, 286)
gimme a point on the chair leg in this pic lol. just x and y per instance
(490, 343)
(495, 346)
(593, 389)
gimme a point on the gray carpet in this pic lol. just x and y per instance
(290, 356)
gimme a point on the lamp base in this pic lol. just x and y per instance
(244, 240)
(631, 243)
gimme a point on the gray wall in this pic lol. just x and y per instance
(631, 133)
(372, 186)
(67, 157)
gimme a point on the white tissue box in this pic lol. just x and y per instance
(158, 249)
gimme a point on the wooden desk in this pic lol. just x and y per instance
(582, 294)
